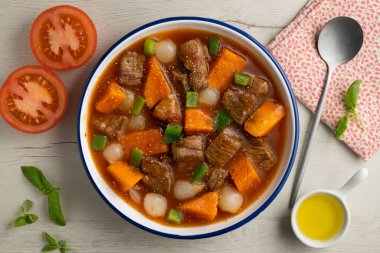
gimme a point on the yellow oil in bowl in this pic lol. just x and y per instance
(320, 217)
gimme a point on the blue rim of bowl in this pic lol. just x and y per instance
(288, 169)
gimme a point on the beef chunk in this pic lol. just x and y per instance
(259, 86)
(188, 152)
(168, 110)
(223, 147)
(158, 175)
(181, 75)
(261, 153)
(111, 125)
(131, 68)
(217, 179)
(195, 58)
(239, 104)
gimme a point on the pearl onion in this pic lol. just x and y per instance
(155, 204)
(230, 200)
(166, 51)
(113, 152)
(209, 96)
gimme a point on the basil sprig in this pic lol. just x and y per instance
(352, 96)
(37, 178)
(55, 210)
(351, 100)
(25, 217)
(53, 244)
(342, 126)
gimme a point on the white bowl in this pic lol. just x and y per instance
(275, 73)
(316, 243)
(340, 196)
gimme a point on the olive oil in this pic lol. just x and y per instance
(320, 217)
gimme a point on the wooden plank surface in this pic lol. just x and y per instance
(92, 225)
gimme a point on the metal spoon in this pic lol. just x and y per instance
(338, 42)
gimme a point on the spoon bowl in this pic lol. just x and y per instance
(340, 41)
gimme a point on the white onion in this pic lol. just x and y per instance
(209, 96)
(113, 152)
(155, 204)
(137, 122)
(135, 195)
(230, 200)
(185, 190)
(128, 103)
(166, 51)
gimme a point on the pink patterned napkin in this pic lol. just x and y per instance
(295, 49)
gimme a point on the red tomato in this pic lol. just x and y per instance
(63, 38)
(33, 99)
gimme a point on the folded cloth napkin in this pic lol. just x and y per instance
(296, 51)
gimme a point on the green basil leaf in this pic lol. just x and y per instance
(49, 248)
(35, 176)
(31, 218)
(55, 210)
(50, 239)
(62, 246)
(342, 126)
(20, 221)
(62, 243)
(26, 206)
(352, 95)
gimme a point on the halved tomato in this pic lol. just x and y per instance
(63, 38)
(33, 99)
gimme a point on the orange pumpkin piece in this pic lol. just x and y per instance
(156, 86)
(222, 71)
(205, 206)
(148, 141)
(124, 175)
(112, 97)
(196, 121)
(265, 118)
(243, 173)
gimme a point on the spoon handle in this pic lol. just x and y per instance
(309, 141)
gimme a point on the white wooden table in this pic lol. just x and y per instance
(92, 225)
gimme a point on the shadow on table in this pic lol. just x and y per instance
(285, 229)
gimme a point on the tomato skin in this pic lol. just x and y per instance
(38, 50)
(8, 87)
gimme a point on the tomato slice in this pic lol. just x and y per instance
(33, 99)
(63, 38)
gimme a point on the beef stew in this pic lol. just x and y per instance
(182, 128)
